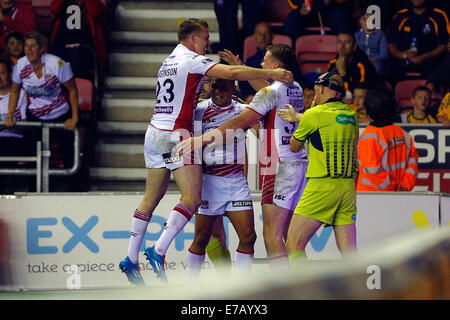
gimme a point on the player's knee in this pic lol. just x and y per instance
(248, 241)
(192, 202)
(200, 242)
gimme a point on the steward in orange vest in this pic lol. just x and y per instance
(387, 158)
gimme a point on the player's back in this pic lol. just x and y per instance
(268, 101)
(179, 82)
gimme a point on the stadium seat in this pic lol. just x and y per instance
(85, 94)
(403, 92)
(250, 44)
(313, 52)
(276, 12)
(315, 48)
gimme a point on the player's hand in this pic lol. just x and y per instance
(289, 114)
(188, 145)
(9, 120)
(70, 124)
(230, 58)
(282, 75)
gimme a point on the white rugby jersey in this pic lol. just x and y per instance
(46, 97)
(223, 160)
(180, 80)
(19, 113)
(277, 134)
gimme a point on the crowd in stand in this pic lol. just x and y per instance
(404, 40)
(37, 77)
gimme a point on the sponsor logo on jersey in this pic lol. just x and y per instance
(285, 140)
(207, 60)
(279, 197)
(346, 119)
(242, 203)
(164, 109)
(264, 90)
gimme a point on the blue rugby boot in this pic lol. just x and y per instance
(157, 261)
(132, 271)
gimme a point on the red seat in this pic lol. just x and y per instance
(404, 90)
(315, 47)
(85, 94)
(250, 44)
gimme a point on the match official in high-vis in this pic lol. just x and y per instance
(330, 194)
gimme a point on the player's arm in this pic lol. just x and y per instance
(245, 120)
(296, 145)
(240, 72)
(12, 104)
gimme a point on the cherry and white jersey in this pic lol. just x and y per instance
(223, 160)
(180, 80)
(277, 133)
(19, 113)
(45, 94)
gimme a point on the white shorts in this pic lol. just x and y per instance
(285, 188)
(221, 194)
(160, 152)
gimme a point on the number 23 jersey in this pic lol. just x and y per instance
(180, 80)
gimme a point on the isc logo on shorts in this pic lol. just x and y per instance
(279, 197)
(205, 204)
(243, 203)
(168, 159)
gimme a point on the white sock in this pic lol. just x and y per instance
(194, 264)
(243, 261)
(279, 262)
(178, 218)
(138, 228)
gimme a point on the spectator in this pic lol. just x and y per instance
(443, 115)
(421, 100)
(308, 96)
(299, 19)
(373, 43)
(352, 64)
(226, 13)
(11, 140)
(18, 17)
(45, 77)
(440, 76)
(263, 36)
(89, 35)
(387, 158)
(359, 95)
(11, 143)
(14, 47)
(417, 40)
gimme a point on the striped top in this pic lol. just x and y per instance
(223, 160)
(19, 114)
(46, 97)
(332, 130)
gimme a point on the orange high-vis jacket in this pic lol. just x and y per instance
(387, 159)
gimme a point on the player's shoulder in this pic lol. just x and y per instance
(53, 60)
(203, 104)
